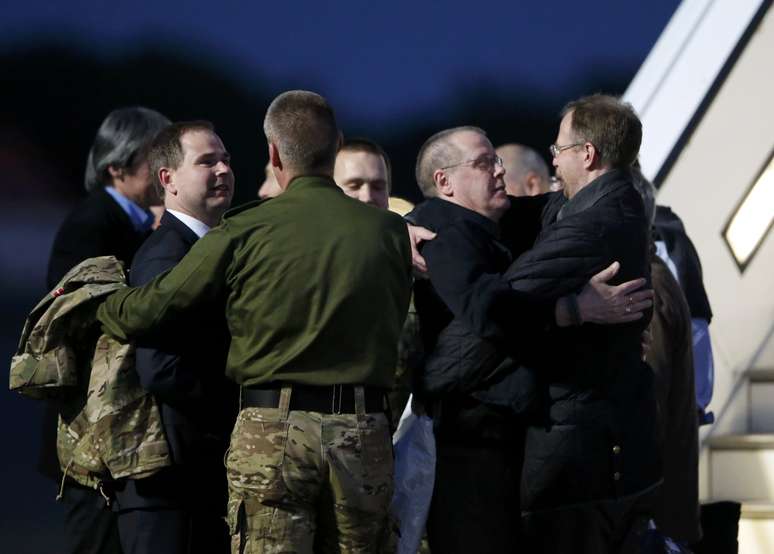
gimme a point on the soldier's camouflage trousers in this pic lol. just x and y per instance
(304, 481)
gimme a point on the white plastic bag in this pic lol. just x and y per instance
(414, 446)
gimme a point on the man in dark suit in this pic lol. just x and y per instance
(181, 509)
(112, 221)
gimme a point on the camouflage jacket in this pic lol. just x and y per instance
(109, 427)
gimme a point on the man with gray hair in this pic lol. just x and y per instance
(526, 172)
(310, 461)
(114, 219)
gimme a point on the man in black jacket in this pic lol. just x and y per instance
(592, 461)
(181, 509)
(113, 220)
(466, 301)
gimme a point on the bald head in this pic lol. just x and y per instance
(526, 173)
(439, 151)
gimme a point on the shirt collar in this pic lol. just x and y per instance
(141, 219)
(199, 228)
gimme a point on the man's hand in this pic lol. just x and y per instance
(416, 236)
(602, 303)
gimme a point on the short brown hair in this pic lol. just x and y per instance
(437, 152)
(361, 144)
(610, 125)
(166, 150)
(302, 125)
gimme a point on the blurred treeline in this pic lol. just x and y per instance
(55, 96)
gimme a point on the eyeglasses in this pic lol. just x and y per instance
(484, 163)
(556, 149)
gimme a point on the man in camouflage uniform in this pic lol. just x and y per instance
(300, 273)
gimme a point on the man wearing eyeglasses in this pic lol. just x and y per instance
(475, 503)
(591, 464)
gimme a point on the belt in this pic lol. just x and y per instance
(327, 399)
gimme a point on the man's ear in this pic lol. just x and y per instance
(591, 156)
(116, 173)
(532, 184)
(166, 181)
(274, 156)
(442, 183)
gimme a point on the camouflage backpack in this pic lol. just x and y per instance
(109, 426)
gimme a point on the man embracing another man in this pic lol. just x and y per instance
(522, 338)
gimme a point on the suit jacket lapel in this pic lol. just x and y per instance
(170, 221)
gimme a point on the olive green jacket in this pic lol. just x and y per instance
(315, 285)
(109, 427)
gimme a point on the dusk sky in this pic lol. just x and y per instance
(374, 60)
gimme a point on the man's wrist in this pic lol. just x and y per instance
(567, 311)
(574, 309)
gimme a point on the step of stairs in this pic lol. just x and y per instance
(761, 400)
(756, 528)
(741, 467)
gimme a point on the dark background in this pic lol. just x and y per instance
(395, 72)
